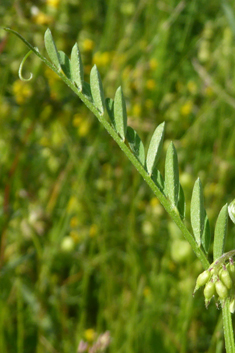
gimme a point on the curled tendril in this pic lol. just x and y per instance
(21, 68)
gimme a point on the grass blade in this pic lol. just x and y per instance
(97, 90)
(220, 232)
(120, 115)
(51, 49)
(172, 175)
(77, 74)
(136, 145)
(155, 148)
(65, 64)
(197, 211)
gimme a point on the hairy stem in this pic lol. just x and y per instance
(228, 328)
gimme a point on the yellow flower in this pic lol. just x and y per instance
(187, 108)
(77, 119)
(154, 202)
(137, 110)
(192, 87)
(74, 222)
(102, 59)
(83, 128)
(93, 230)
(88, 44)
(75, 235)
(150, 84)
(42, 19)
(90, 334)
(153, 64)
(22, 91)
(53, 3)
(147, 292)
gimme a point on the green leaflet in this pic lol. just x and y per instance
(120, 115)
(86, 90)
(136, 145)
(65, 63)
(220, 232)
(206, 235)
(109, 102)
(155, 148)
(181, 203)
(197, 211)
(51, 49)
(231, 211)
(77, 75)
(158, 179)
(97, 90)
(172, 175)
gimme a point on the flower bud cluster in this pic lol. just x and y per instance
(218, 282)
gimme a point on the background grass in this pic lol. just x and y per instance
(85, 247)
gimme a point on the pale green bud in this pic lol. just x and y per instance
(209, 290)
(221, 290)
(231, 269)
(226, 279)
(202, 279)
(232, 306)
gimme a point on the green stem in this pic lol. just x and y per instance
(227, 322)
(228, 328)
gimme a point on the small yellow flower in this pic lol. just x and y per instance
(93, 230)
(84, 128)
(153, 64)
(77, 119)
(187, 108)
(74, 222)
(75, 235)
(53, 3)
(192, 87)
(154, 202)
(150, 84)
(42, 19)
(102, 59)
(22, 91)
(136, 110)
(147, 292)
(88, 44)
(90, 334)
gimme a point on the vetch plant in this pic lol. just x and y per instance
(218, 278)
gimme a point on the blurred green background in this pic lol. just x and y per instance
(85, 246)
